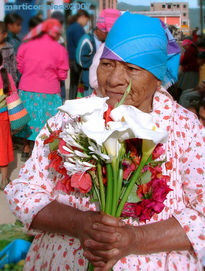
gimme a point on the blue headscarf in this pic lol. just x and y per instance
(145, 42)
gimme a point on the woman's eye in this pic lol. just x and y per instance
(106, 64)
(132, 69)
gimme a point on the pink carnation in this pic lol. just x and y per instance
(158, 151)
(153, 195)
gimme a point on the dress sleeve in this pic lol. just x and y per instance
(192, 217)
(20, 58)
(14, 69)
(34, 187)
(63, 64)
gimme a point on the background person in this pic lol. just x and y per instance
(13, 23)
(73, 34)
(33, 22)
(90, 43)
(202, 110)
(8, 54)
(43, 63)
(189, 77)
(67, 228)
(7, 87)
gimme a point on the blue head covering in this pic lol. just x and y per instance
(145, 42)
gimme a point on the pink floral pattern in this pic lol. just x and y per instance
(34, 189)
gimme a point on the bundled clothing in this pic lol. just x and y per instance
(9, 60)
(84, 55)
(6, 147)
(43, 63)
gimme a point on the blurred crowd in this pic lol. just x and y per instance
(57, 60)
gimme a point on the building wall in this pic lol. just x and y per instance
(182, 7)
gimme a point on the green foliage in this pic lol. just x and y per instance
(53, 146)
(133, 197)
(145, 177)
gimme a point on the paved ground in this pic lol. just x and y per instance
(5, 213)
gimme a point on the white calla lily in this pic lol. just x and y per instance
(141, 125)
(87, 108)
(105, 136)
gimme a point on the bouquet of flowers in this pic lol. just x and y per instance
(112, 156)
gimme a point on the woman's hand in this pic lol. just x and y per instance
(97, 232)
(106, 240)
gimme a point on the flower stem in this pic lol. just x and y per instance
(90, 267)
(130, 186)
(102, 190)
(115, 189)
(108, 203)
(120, 179)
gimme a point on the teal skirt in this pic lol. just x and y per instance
(40, 108)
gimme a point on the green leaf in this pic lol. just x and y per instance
(155, 163)
(127, 91)
(49, 128)
(133, 197)
(53, 146)
(145, 177)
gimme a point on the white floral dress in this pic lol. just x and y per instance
(34, 189)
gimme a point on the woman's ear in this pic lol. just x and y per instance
(159, 83)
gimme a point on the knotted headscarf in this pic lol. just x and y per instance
(145, 42)
(51, 26)
(107, 18)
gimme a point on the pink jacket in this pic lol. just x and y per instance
(43, 63)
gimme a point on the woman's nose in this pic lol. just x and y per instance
(117, 77)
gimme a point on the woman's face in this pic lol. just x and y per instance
(114, 78)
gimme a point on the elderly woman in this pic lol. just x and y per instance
(67, 229)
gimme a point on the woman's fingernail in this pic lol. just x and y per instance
(121, 223)
(95, 226)
(115, 251)
(118, 236)
(87, 243)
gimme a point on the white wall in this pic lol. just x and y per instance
(1, 10)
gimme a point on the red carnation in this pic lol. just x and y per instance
(81, 181)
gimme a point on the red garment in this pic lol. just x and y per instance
(189, 60)
(6, 147)
(195, 37)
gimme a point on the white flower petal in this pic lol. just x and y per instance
(85, 107)
(140, 124)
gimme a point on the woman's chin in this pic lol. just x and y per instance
(112, 102)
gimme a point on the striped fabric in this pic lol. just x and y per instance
(3, 109)
(18, 115)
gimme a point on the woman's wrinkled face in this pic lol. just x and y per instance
(114, 78)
